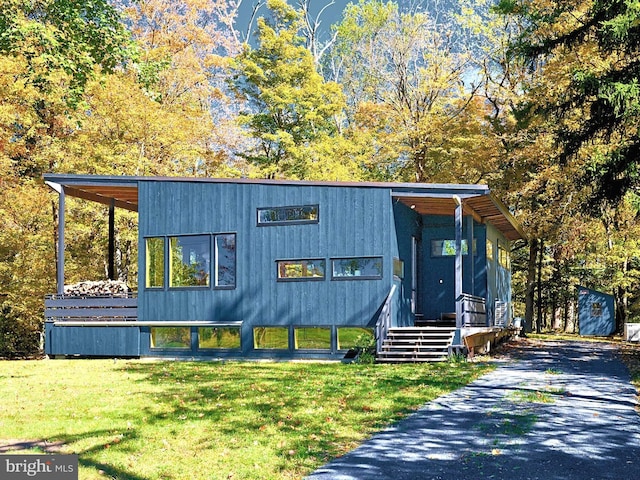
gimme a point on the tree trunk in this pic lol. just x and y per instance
(531, 286)
(539, 286)
(555, 290)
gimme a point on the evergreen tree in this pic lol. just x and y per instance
(586, 54)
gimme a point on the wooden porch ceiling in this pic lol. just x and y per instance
(483, 208)
(125, 196)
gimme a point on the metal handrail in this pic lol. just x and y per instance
(384, 321)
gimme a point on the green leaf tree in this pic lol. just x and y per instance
(289, 105)
(64, 35)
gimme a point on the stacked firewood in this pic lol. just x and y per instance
(105, 287)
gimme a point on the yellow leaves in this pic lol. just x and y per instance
(25, 246)
(173, 26)
(124, 131)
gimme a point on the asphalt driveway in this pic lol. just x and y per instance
(550, 410)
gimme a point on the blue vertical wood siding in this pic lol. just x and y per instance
(498, 277)
(407, 226)
(353, 222)
(92, 341)
(596, 313)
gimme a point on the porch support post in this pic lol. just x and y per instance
(472, 262)
(61, 243)
(458, 263)
(112, 241)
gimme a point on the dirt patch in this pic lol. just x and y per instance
(14, 445)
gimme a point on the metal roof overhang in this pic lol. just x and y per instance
(426, 199)
(484, 208)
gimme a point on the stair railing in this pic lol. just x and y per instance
(384, 321)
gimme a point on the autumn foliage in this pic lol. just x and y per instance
(538, 99)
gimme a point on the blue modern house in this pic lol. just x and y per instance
(261, 268)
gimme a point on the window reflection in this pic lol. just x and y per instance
(190, 260)
(361, 268)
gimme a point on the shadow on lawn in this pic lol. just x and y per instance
(311, 412)
(85, 456)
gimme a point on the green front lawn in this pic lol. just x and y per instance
(241, 420)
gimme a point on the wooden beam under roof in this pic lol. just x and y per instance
(124, 196)
(483, 208)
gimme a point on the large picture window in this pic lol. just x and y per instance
(190, 261)
(307, 269)
(155, 262)
(288, 215)
(359, 268)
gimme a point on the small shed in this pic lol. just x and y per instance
(596, 313)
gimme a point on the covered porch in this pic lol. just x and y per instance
(103, 315)
(458, 287)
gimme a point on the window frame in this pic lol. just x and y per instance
(328, 328)
(214, 265)
(222, 327)
(169, 260)
(596, 309)
(178, 349)
(464, 244)
(504, 256)
(339, 278)
(301, 279)
(275, 223)
(147, 263)
(398, 268)
(341, 348)
(490, 249)
(270, 349)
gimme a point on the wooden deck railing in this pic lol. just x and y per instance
(91, 308)
(384, 321)
(474, 310)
